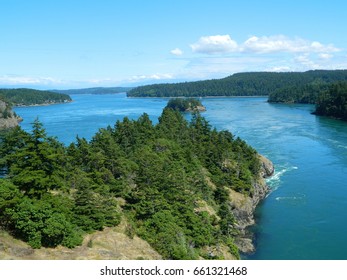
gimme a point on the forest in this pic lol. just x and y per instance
(170, 181)
(333, 102)
(27, 97)
(243, 84)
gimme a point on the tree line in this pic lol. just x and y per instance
(173, 180)
(242, 84)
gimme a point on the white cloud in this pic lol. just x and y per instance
(176, 51)
(22, 80)
(151, 77)
(325, 55)
(306, 61)
(217, 44)
(281, 43)
(279, 69)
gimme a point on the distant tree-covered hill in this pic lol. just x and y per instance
(306, 94)
(333, 102)
(95, 90)
(27, 97)
(241, 84)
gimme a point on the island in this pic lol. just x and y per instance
(186, 105)
(32, 97)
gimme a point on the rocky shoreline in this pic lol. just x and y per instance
(8, 119)
(244, 206)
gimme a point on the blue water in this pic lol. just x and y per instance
(305, 215)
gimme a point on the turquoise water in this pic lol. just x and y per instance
(304, 216)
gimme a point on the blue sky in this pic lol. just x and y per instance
(84, 43)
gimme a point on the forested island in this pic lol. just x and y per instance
(186, 105)
(184, 187)
(30, 97)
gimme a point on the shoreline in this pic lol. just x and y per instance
(43, 104)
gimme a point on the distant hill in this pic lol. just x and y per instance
(333, 102)
(241, 84)
(29, 97)
(95, 90)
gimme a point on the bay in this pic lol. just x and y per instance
(304, 216)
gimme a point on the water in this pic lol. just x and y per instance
(304, 217)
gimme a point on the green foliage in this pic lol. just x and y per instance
(306, 94)
(41, 224)
(333, 102)
(184, 104)
(53, 194)
(25, 97)
(240, 84)
(35, 165)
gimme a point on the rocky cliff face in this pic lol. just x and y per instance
(8, 119)
(244, 206)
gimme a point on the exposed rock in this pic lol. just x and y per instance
(243, 206)
(267, 167)
(197, 108)
(8, 119)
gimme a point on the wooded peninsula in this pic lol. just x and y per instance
(170, 183)
(30, 97)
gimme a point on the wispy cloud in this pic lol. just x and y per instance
(223, 44)
(151, 77)
(30, 81)
(176, 51)
(281, 43)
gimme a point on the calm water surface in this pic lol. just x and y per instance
(305, 215)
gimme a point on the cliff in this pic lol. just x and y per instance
(8, 119)
(244, 206)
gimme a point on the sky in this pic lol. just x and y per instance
(63, 44)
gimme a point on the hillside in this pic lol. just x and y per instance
(108, 244)
(240, 84)
(333, 102)
(29, 97)
(185, 188)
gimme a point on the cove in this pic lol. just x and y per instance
(304, 215)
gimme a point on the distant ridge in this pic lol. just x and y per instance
(94, 90)
(240, 84)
